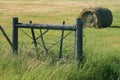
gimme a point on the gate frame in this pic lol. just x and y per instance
(78, 28)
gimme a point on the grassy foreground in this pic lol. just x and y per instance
(101, 46)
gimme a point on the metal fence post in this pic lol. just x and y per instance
(79, 39)
(14, 35)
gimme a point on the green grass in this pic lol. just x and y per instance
(101, 56)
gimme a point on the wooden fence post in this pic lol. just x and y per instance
(14, 35)
(79, 39)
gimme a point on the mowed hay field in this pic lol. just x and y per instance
(101, 52)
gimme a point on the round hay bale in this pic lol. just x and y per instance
(96, 17)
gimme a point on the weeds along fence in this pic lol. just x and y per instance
(78, 29)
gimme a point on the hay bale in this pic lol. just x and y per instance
(96, 17)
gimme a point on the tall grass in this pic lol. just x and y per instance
(93, 67)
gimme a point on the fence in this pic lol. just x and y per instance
(78, 29)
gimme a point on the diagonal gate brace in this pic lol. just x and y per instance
(46, 50)
(6, 37)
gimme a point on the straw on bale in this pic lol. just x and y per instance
(96, 17)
